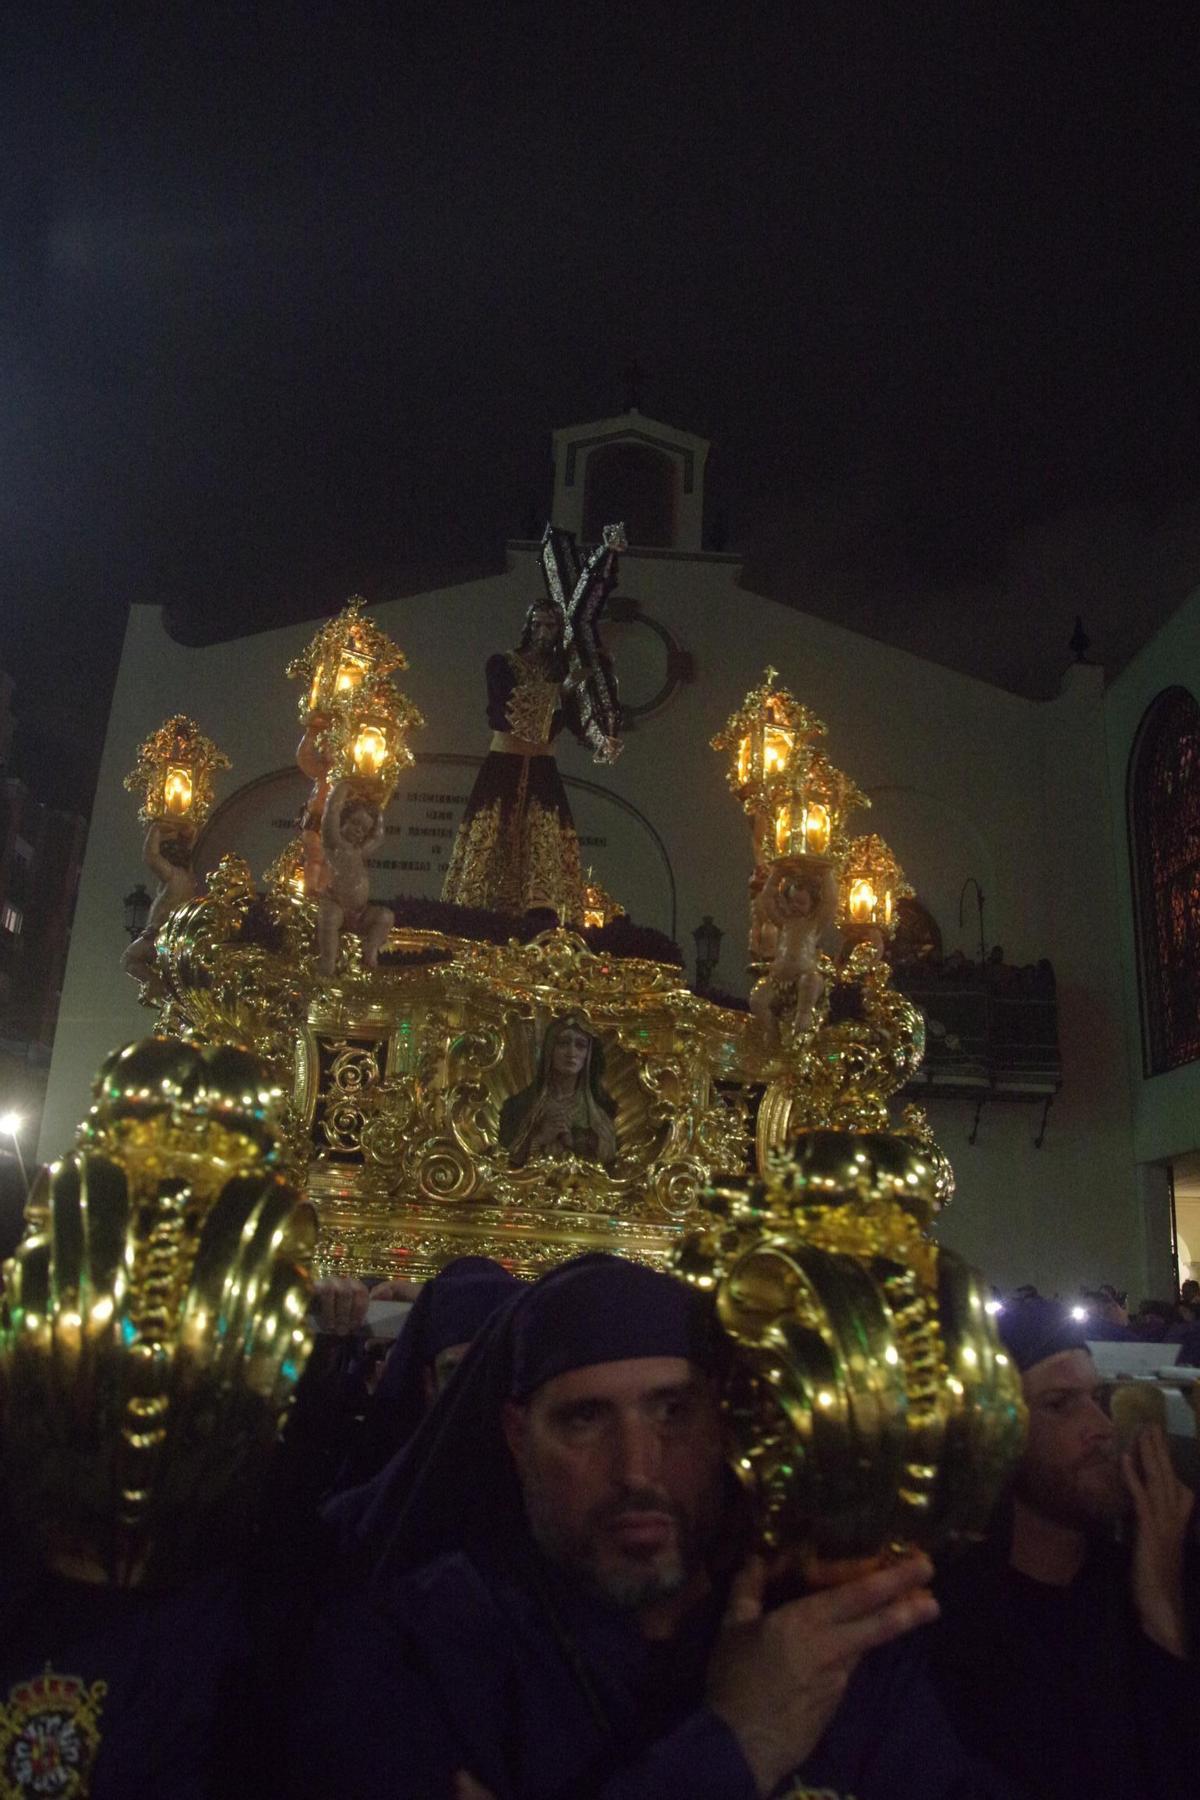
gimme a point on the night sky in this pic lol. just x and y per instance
(291, 298)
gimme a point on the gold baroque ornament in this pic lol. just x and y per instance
(858, 1345)
(399, 1082)
(156, 1309)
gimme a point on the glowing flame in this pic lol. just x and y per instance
(817, 830)
(370, 749)
(350, 673)
(177, 791)
(777, 748)
(862, 902)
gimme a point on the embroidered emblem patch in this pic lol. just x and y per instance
(49, 1736)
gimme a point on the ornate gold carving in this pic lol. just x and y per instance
(398, 1078)
(844, 1073)
(859, 1345)
(154, 1320)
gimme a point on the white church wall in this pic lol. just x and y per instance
(1066, 1214)
(957, 770)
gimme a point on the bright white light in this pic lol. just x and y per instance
(993, 1307)
(10, 1124)
(1079, 1312)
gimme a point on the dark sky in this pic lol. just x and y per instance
(291, 298)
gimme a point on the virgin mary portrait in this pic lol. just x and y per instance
(566, 1108)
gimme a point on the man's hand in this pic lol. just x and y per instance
(1163, 1505)
(340, 1305)
(395, 1290)
(776, 1678)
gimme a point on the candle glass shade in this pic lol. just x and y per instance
(863, 903)
(369, 751)
(177, 792)
(348, 654)
(769, 738)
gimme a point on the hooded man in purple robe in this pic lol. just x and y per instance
(567, 1606)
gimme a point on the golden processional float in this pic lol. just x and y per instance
(753, 1152)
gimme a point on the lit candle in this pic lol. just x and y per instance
(777, 747)
(743, 761)
(816, 829)
(370, 750)
(350, 673)
(862, 902)
(177, 791)
(783, 827)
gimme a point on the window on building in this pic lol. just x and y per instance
(632, 484)
(11, 918)
(1164, 840)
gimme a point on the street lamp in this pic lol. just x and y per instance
(707, 938)
(137, 911)
(10, 1126)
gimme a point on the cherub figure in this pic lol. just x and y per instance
(792, 908)
(351, 828)
(167, 853)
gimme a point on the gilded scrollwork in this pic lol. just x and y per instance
(397, 1077)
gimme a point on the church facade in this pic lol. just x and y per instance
(969, 783)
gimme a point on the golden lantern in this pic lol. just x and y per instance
(174, 773)
(810, 818)
(770, 736)
(347, 654)
(872, 882)
(366, 739)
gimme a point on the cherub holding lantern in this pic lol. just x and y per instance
(795, 903)
(174, 776)
(351, 828)
(167, 853)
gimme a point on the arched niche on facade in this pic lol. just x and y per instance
(1163, 800)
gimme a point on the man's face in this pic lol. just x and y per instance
(1070, 1471)
(543, 628)
(570, 1051)
(620, 1467)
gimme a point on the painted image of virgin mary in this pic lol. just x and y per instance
(566, 1108)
